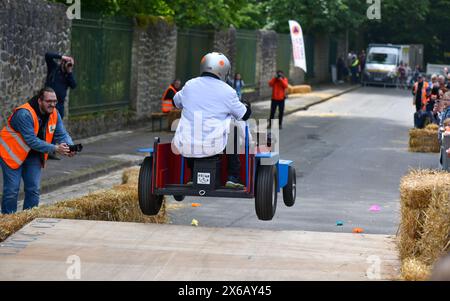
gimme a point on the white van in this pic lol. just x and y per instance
(382, 62)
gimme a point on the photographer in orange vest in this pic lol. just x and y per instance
(25, 143)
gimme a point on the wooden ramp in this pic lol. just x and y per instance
(131, 251)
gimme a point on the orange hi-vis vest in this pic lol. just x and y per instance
(13, 149)
(167, 104)
(424, 90)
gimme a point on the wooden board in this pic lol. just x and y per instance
(131, 251)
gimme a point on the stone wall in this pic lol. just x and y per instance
(153, 66)
(225, 42)
(266, 61)
(28, 29)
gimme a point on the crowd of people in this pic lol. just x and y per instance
(351, 69)
(432, 102)
(431, 97)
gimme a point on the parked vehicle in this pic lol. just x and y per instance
(383, 59)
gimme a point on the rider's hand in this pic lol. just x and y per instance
(247, 104)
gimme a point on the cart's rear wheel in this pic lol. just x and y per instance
(149, 203)
(290, 190)
(266, 192)
(178, 198)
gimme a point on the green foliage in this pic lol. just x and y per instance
(403, 21)
(316, 16)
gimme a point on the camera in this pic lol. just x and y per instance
(76, 148)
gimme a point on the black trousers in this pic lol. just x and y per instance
(234, 165)
(273, 108)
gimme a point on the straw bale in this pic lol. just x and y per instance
(414, 270)
(410, 231)
(302, 89)
(432, 127)
(424, 140)
(130, 176)
(117, 204)
(417, 185)
(435, 239)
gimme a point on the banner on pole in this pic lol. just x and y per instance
(298, 46)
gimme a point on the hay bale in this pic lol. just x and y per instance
(10, 223)
(410, 231)
(414, 270)
(130, 176)
(302, 89)
(432, 127)
(118, 204)
(290, 89)
(424, 140)
(435, 237)
(416, 187)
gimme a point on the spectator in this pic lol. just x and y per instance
(279, 84)
(60, 77)
(362, 62)
(341, 70)
(238, 84)
(434, 79)
(167, 98)
(448, 82)
(419, 92)
(355, 69)
(401, 70)
(442, 85)
(25, 143)
(441, 269)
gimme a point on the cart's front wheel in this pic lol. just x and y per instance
(149, 203)
(266, 192)
(290, 190)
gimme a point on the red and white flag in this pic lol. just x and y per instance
(298, 46)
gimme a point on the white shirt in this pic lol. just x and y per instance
(208, 105)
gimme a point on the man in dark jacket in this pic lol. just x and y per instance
(60, 77)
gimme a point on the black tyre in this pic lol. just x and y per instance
(178, 198)
(149, 203)
(290, 190)
(266, 192)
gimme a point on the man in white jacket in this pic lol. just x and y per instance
(208, 104)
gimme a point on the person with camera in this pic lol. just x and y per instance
(60, 77)
(25, 143)
(279, 85)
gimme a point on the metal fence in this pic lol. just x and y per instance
(284, 53)
(192, 45)
(309, 53)
(246, 56)
(102, 52)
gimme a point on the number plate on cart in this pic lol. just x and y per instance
(203, 178)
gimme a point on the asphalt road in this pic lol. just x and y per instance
(350, 153)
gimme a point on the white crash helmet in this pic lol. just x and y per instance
(217, 64)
